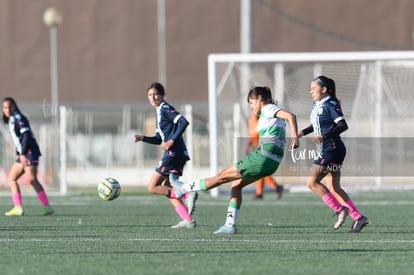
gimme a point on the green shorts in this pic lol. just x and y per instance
(257, 166)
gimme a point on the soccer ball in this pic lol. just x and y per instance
(109, 189)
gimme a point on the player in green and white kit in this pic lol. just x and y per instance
(262, 162)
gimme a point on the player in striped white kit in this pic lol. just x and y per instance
(170, 126)
(327, 123)
(27, 158)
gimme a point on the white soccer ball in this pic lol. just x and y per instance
(109, 189)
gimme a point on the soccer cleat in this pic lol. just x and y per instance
(258, 197)
(226, 230)
(185, 224)
(47, 210)
(341, 216)
(15, 212)
(190, 201)
(279, 191)
(176, 184)
(359, 224)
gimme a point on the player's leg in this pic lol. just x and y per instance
(259, 189)
(335, 158)
(159, 185)
(234, 206)
(314, 183)
(31, 171)
(270, 181)
(314, 180)
(226, 175)
(279, 189)
(156, 186)
(317, 173)
(15, 173)
(182, 209)
(174, 165)
(176, 170)
(334, 185)
(251, 168)
(349, 207)
(333, 179)
(254, 165)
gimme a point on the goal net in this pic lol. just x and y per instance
(376, 90)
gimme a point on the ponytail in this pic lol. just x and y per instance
(329, 84)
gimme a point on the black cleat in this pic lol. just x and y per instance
(359, 224)
(279, 191)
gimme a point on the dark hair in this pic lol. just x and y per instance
(264, 92)
(10, 99)
(329, 83)
(157, 86)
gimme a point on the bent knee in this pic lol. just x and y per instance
(12, 182)
(311, 184)
(151, 189)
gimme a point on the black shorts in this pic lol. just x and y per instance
(333, 153)
(172, 162)
(32, 158)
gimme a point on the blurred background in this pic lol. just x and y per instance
(94, 59)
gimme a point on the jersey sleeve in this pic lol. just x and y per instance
(156, 140)
(21, 123)
(335, 111)
(270, 110)
(179, 121)
(170, 113)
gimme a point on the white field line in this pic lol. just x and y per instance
(155, 200)
(97, 239)
(222, 202)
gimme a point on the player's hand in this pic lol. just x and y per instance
(167, 145)
(294, 144)
(317, 139)
(138, 138)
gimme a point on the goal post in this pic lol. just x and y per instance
(370, 86)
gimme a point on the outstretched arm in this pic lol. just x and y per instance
(151, 140)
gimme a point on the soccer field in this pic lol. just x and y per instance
(132, 235)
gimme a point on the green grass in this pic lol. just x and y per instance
(132, 235)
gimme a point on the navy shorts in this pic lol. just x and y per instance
(333, 153)
(32, 158)
(172, 162)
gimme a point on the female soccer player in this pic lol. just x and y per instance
(263, 162)
(27, 159)
(170, 126)
(252, 143)
(327, 123)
